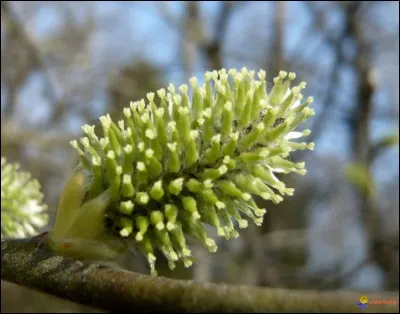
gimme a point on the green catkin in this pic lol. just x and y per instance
(176, 163)
(22, 210)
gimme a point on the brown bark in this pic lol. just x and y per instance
(29, 262)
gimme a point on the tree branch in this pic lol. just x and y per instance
(29, 262)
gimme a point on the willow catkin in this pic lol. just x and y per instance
(176, 163)
(22, 210)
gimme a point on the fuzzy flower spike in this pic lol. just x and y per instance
(178, 162)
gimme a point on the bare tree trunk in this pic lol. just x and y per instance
(380, 250)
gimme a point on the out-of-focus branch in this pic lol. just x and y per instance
(213, 48)
(276, 63)
(333, 78)
(380, 146)
(363, 110)
(332, 281)
(11, 21)
(30, 263)
(210, 47)
(192, 34)
(13, 133)
(295, 240)
(166, 16)
(360, 124)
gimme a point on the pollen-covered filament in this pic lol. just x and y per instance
(193, 160)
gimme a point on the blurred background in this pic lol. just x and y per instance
(64, 64)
